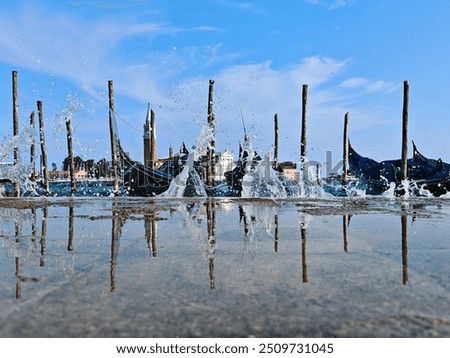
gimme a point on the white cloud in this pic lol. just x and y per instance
(369, 86)
(381, 86)
(355, 82)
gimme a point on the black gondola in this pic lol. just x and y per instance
(140, 180)
(427, 174)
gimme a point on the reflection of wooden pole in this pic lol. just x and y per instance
(151, 232)
(211, 223)
(404, 220)
(17, 262)
(275, 150)
(345, 220)
(345, 151)
(114, 139)
(18, 283)
(45, 182)
(71, 221)
(153, 238)
(33, 224)
(276, 239)
(304, 264)
(15, 128)
(404, 163)
(73, 187)
(115, 240)
(212, 276)
(43, 241)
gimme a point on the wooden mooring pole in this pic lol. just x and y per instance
(33, 150)
(404, 162)
(114, 169)
(16, 128)
(275, 149)
(212, 143)
(303, 133)
(44, 181)
(70, 246)
(73, 187)
(345, 152)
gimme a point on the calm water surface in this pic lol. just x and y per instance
(104, 267)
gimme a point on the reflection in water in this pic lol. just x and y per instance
(17, 262)
(71, 220)
(211, 224)
(229, 267)
(151, 232)
(303, 242)
(34, 225)
(404, 238)
(259, 220)
(404, 222)
(276, 234)
(43, 241)
(345, 223)
(115, 241)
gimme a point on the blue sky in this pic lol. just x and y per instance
(353, 54)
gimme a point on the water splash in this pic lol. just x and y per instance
(22, 171)
(263, 181)
(73, 105)
(188, 183)
(412, 189)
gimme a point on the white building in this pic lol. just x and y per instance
(224, 163)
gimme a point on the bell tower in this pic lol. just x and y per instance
(150, 155)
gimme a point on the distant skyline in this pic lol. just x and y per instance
(353, 54)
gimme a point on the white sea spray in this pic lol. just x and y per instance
(263, 181)
(188, 183)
